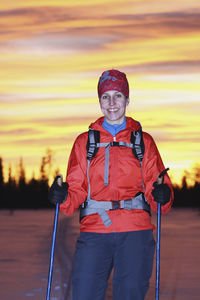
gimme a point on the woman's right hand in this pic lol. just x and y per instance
(58, 190)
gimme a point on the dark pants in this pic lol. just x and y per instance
(129, 253)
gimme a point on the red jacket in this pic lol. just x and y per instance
(125, 180)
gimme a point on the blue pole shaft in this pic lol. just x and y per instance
(158, 251)
(52, 252)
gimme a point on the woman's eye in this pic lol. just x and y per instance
(118, 95)
(105, 97)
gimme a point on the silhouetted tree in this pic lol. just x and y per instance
(184, 183)
(196, 174)
(46, 165)
(42, 169)
(188, 195)
(22, 195)
(45, 170)
(11, 191)
(22, 177)
(49, 161)
(1, 173)
(56, 172)
(1, 182)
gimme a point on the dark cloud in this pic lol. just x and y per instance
(164, 16)
(12, 98)
(9, 121)
(64, 122)
(140, 27)
(40, 14)
(164, 125)
(19, 132)
(46, 121)
(74, 36)
(181, 66)
(174, 139)
(47, 142)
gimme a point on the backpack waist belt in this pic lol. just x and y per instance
(100, 207)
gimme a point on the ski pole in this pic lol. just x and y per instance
(53, 247)
(159, 181)
(158, 251)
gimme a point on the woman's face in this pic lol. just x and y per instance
(113, 106)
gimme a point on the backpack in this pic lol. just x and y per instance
(91, 206)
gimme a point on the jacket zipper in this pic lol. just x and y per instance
(114, 140)
(114, 157)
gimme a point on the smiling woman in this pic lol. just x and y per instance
(114, 167)
(113, 92)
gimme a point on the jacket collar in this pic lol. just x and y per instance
(132, 124)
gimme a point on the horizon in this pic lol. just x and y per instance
(52, 56)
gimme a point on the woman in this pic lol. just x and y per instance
(112, 173)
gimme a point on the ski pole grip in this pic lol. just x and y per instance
(60, 180)
(161, 175)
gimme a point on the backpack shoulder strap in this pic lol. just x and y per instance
(138, 144)
(138, 149)
(93, 140)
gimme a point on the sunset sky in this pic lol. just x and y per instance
(52, 53)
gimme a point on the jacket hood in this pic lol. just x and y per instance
(132, 124)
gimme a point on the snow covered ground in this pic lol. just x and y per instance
(25, 237)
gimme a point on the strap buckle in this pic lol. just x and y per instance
(84, 204)
(115, 205)
(114, 144)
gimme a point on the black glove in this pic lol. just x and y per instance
(161, 193)
(57, 193)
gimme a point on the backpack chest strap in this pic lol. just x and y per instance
(107, 154)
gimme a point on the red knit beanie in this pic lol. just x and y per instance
(113, 80)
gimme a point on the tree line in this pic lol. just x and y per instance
(188, 193)
(21, 193)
